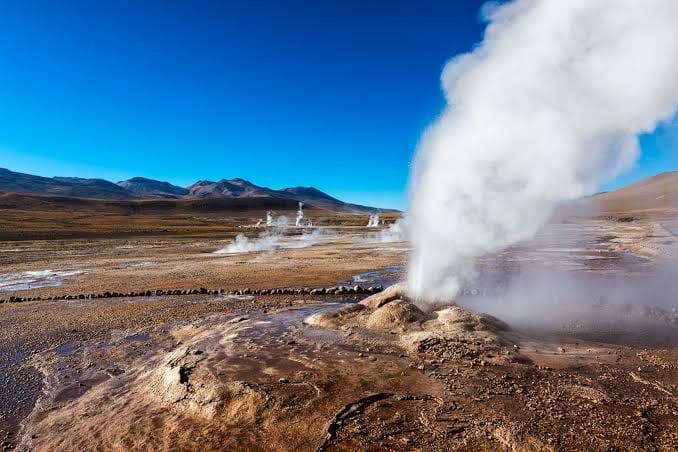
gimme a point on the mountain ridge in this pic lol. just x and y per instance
(145, 188)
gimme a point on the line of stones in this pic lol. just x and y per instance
(338, 290)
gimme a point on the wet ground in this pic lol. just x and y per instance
(216, 371)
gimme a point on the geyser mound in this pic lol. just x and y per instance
(445, 328)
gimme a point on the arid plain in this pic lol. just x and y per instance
(128, 331)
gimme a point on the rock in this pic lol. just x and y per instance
(399, 315)
(395, 292)
(334, 319)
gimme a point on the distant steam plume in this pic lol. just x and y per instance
(300, 214)
(373, 222)
(545, 109)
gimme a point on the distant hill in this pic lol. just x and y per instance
(228, 188)
(240, 188)
(167, 206)
(313, 196)
(152, 188)
(654, 195)
(140, 188)
(658, 192)
(65, 186)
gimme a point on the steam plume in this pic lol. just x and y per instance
(300, 214)
(545, 109)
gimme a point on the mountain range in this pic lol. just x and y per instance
(144, 188)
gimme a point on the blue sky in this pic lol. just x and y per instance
(329, 94)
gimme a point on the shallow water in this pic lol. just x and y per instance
(10, 282)
(383, 277)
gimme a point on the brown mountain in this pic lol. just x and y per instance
(143, 188)
(228, 188)
(315, 197)
(11, 181)
(655, 193)
(150, 188)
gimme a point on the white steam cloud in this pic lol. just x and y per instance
(273, 240)
(300, 214)
(545, 109)
(276, 236)
(373, 222)
(395, 232)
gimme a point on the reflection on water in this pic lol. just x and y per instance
(10, 282)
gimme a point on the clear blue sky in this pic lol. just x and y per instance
(333, 94)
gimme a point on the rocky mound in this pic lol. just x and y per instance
(448, 331)
(398, 315)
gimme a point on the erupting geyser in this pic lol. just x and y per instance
(373, 222)
(545, 109)
(300, 214)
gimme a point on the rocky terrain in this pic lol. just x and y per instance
(198, 349)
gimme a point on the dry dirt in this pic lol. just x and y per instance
(324, 372)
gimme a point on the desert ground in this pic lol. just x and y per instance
(128, 332)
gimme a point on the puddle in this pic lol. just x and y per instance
(65, 349)
(16, 378)
(10, 282)
(136, 264)
(384, 277)
(323, 334)
(253, 348)
(139, 337)
(78, 388)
